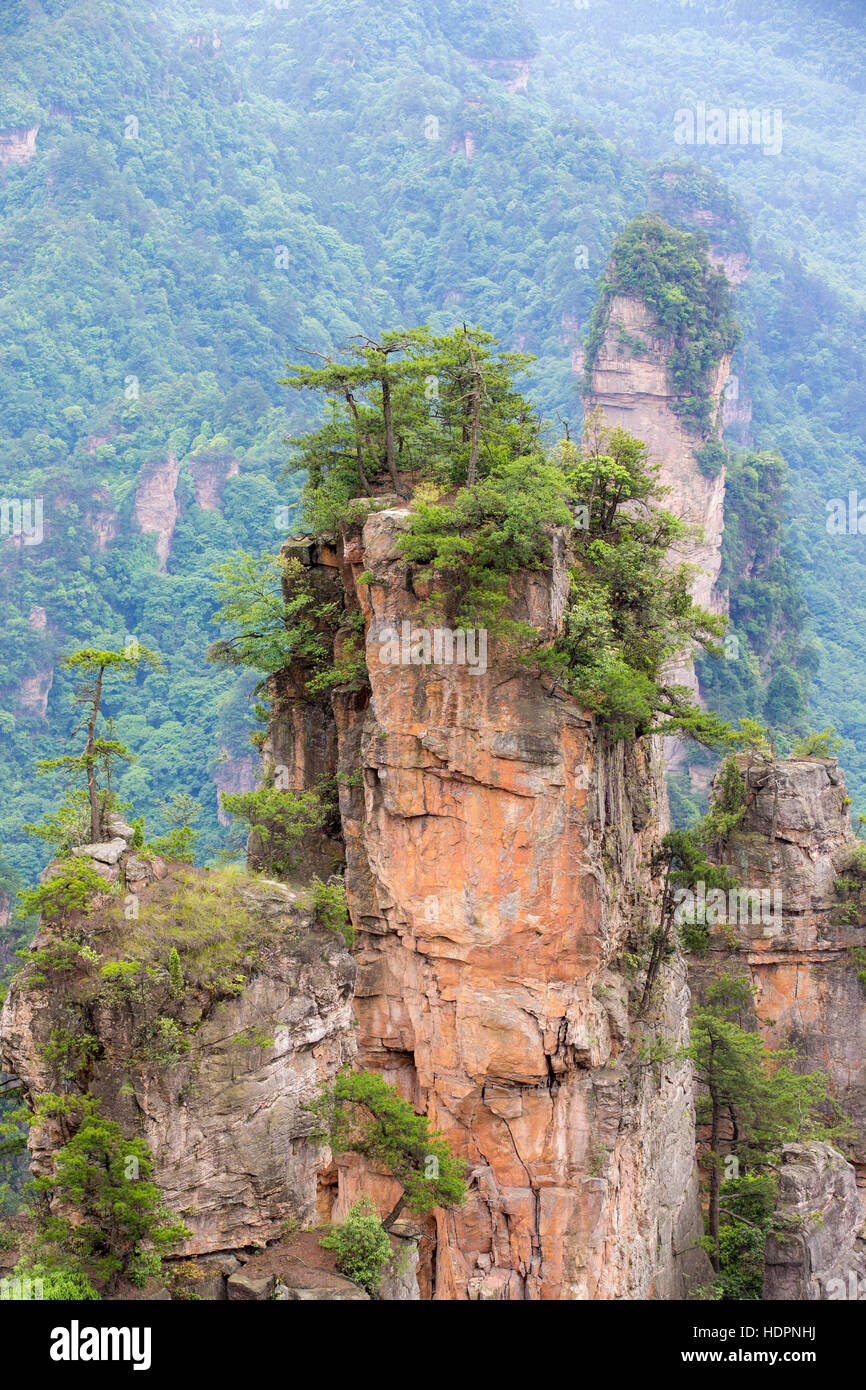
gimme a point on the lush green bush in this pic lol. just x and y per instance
(332, 908)
(278, 819)
(823, 744)
(361, 1245)
(361, 1113)
(107, 1180)
(65, 1285)
(71, 889)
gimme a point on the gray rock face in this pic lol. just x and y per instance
(118, 828)
(823, 1256)
(242, 1289)
(803, 948)
(225, 1121)
(108, 853)
(399, 1281)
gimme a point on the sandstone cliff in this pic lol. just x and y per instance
(496, 851)
(155, 507)
(17, 146)
(632, 390)
(215, 1079)
(209, 476)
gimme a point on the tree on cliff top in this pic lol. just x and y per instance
(360, 1113)
(99, 753)
(408, 408)
(443, 415)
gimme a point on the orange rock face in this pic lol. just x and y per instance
(495, 853)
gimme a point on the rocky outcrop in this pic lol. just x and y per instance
(102, 518)
(209, 476)
(632, 389)
(496, 853)
(232, 775)
(818, 1249)
(155, 507)
(219, 1095)
(631, 386)
(806, 942)
(31, 697)
(17, 146)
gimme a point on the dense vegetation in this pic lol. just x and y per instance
(196, 211)
(689, 299)
(772, 659)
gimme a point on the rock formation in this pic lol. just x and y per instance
(233, 774)
(634, 391)
(155, 508)
(209, 476)
(103, 518)
(223, 1112)
(818, 1251)
(804, 948)
(31, 697)
(631, 386)
(17, 146)
(496, 851)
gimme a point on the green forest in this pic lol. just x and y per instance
(216, 187)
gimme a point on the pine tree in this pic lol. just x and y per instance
(360, 1113)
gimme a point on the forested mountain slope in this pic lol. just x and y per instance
(193, 192)
(630, 68)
